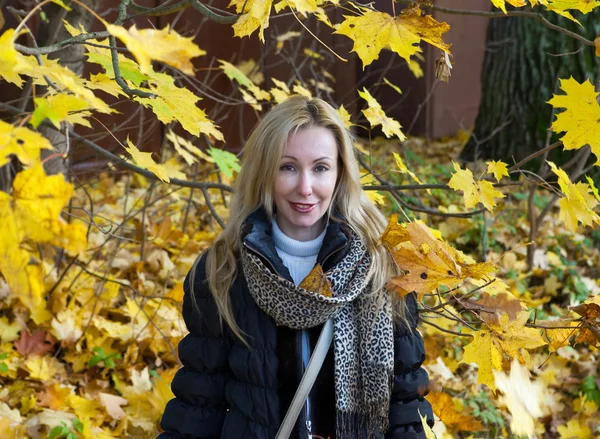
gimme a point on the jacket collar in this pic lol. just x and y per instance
(257, 234)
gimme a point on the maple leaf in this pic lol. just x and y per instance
(429, 434)
(503, 341)
(376, 116)
(164, 45)
(403, 169)
(581, 115)
(240, 77)
(317, 282)
(145, 160)
(187, 150)
(375, 196)
(498, 168)
(112, 404)
(43, 368)
(523, 398)
(501, 4)
(578, 204)
(57, 108)
(24, 143)
(394, 233)
(492, 307)
(345, 116)
(559, 337)
(430, 263)
(443, 406)
(373, 31)
(483, 352)
(254, 15)
(37, 343)
(9, 58)
(33, 214)
(8, 331)
(474, 191)
(54, 396)
(574, 429)
(226, 161)
(176, 104)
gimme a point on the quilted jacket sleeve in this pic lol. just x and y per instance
(410, 382)
(199, 407)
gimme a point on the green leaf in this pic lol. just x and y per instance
(78, 425)
(3, 356)
(3, 368)
(226, 161)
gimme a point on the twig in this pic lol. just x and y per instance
(449, 331)
(212, 208)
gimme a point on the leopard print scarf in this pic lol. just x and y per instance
(363, 339)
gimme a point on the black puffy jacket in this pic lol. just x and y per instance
(226, 390)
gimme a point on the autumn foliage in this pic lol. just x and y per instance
(91, 272)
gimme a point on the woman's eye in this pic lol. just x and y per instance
(286, 168)
(321, 168)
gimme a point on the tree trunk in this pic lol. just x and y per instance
(71, 57)
(522, 65)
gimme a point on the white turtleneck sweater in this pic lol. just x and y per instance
(299, 257)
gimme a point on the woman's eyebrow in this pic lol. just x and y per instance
(314, 161)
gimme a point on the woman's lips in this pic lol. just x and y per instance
(302, 207)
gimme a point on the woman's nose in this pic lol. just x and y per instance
(305, 185)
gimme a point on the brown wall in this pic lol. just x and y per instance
(454, 105)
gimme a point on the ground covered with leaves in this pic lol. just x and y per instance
(93, 354)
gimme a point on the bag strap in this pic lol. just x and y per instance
(308, 380)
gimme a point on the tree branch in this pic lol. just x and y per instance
(489, 14)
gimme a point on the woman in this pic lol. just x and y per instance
(298, 202)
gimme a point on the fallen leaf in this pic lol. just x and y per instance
(112, 404)
(317, 282)
(443, 406)
(37, 343)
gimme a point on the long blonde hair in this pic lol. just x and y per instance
(254, 188)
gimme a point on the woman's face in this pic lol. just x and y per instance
(305, 182)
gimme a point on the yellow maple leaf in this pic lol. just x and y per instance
(57, 108)
(8, 58)
(483, 352)
(24, 143)
(345, 115)
(474, 191)
(145, 160)
(187, 150)
(280, 92)
(575, 429)
(376, 116)
(504, 340)
(394, 233)
(240, 77)
(375, 196)
(443, 406)
(304, 7)
(578, 203)
(430, 263)
(373, 31)
(559, 337)
(403, 169)
(498, 168)
(581, 115)
(43, 368)
(317, 282)
(254, 15)
(103, 82)
(523, 398)
(429, 434)
(176, 104)
(302, 91)
(501, 4)
(164, 45)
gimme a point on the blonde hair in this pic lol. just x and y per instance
(254, 188)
